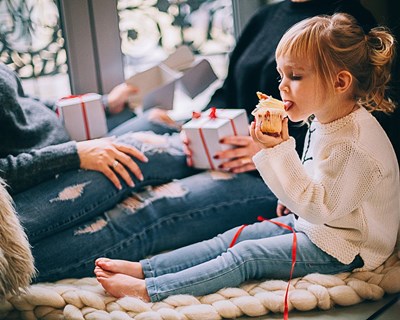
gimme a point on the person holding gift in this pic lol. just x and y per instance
(57, 183)
(251, 69)
(345, 190)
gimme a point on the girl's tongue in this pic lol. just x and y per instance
(288, 105)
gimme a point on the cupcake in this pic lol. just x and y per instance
(270, 113)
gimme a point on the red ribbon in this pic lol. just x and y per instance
(203, 141)
(84, 113)
(196, 115)
(213, 113)
(294, 250)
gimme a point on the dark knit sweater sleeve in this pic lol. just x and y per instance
(27, 169)
(34, 143)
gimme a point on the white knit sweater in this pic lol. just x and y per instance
(346, 193)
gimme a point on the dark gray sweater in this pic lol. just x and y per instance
(34, 145)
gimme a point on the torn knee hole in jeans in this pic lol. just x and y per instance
(149, 137)
(92, 227)
(142, 199)
(133, 203)
(71, 193)
(152, 143)
(220, 175)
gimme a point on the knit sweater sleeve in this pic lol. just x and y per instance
(27, 169)
(338, 185)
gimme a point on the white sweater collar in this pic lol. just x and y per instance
(332, 127)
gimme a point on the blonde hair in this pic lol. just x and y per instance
(337, 42)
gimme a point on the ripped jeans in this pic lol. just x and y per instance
(80, 216)
(77, 196)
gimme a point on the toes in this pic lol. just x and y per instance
(101, 261)
(99, 272)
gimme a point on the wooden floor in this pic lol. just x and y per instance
(387, 308)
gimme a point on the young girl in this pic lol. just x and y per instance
(345, 190)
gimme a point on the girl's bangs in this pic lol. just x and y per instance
(296, 44)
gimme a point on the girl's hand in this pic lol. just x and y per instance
(282, 210)
(119, 95)
(238, 159)
(110, 157)
(266, 141)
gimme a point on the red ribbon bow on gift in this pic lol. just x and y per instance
(211, 115)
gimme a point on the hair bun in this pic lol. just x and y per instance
(374, 41)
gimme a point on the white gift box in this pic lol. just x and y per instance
(156, 86)
(205, 132)
(83, 116)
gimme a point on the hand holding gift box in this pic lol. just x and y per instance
(205, 131)
(83, 116)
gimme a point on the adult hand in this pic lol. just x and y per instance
(110, 158)
(119, 95)
(238, 159)
(186, 148)
(161, 116)
(265, 141)
(282, 210)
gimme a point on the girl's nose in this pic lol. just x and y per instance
(283, 87)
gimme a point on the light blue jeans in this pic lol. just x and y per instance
(263, 250)
(79, 216)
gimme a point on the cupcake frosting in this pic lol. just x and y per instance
(268, 102)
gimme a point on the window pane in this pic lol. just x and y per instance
(32, 44)
(151, 29)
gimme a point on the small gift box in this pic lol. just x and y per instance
(83, 116)
(205, 130)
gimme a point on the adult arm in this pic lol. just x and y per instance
(105, 155)
(27, 169)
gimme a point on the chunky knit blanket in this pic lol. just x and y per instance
(84, 299)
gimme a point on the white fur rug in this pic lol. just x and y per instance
(16, 261)
(84, 299)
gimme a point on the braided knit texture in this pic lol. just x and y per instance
(85, 299)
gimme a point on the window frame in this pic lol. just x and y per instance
(94, 57)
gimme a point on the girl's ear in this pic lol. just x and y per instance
(343, 81)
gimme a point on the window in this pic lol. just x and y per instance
(31, 43)
(150, 30)
(95, 44)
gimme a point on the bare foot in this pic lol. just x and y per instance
(121, 285)
(129, 268)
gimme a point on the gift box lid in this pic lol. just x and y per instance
(72, 100)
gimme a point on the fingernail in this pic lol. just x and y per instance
(145, 159)
(221, 140)
(141, 178)
(216, 156)
(131, 184)
(221, 166)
